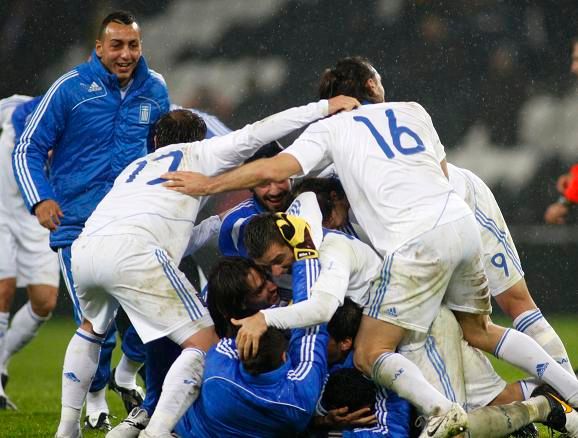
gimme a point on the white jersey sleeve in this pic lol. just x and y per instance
(310, 149)
(218, 154)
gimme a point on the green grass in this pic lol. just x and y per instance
(35, 379)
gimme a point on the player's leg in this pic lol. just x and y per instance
(182, 383)
(80, 364)
(519, 305)
(96, 403)
(7, 289)
(506, 277)
(28, 320)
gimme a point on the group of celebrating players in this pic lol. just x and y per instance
(354, 286)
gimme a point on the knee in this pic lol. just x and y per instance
(7, 290)
(364, 358)
(43, 304)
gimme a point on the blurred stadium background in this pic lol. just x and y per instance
(493, 74)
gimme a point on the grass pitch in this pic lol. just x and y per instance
(35, 379)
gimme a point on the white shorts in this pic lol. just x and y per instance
(442, 265)
(501, 261)
(456, 369)
(141, 277)
(26, 253)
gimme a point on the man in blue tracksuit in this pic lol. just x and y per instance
(270, 197)
(96, 120)
(236, 401)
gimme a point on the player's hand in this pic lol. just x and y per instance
(297, 233)
(252, 328)
(343, 419)
(556, 214)
(342, 103)
(48, 213)
(189, 183)
(563, 182)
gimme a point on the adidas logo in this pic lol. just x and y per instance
(391, 311)
(72, 377)
(541, 369)
(94, 87)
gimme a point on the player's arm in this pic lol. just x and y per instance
(31, 153)
(221, 156)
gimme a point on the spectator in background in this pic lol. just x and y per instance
(96, 119)
(567, 184)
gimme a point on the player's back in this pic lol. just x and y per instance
(139, 204)
(388, 159)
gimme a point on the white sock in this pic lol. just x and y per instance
(126, 371)
(528, 386)
(23, 328)
(96, 402)
(522, 351)
(4, 318)
(501, 421)
(80, 364)
(395, 372)
(180, 389)
(533, 323)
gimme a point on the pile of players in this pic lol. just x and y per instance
(383, 272)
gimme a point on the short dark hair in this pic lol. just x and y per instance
(272, 345)
(227, 292)
(345, 321)
(348, 387)
(267, 151)
(260, 233)
(348, 78)
(179, 126)
(322, 187)
(120, 17)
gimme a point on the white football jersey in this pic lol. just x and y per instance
(388, 159)
(138, 204)
(10, 198)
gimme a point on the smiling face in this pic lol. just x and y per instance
(278, 258)
(120, 49)
(274, 196)
(263, 292)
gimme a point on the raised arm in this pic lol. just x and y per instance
(246, 142)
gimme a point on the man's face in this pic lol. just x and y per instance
(274, 196)
(264, 293)
(278, 258)
(120, 50)
(574, 64)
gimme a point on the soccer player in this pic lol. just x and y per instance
(273, 196)
(501, 262)
(96, 120)
(26, 257)
(272, 394)
(145, 230)
(393, 169)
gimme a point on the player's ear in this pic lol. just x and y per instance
(371, 86)
(98, 48)
(346, 345)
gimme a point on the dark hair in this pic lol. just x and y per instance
(345, 321)
(322, 187)
(120, 17)
(267, 151)
(348, 77)
(179, 126)
(227, 292)
(272, 345)
(348, 387)
(260, 233)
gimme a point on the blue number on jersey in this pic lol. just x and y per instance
(499, 261)
(396, 133)
(177, 156)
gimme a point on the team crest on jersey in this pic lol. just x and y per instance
(94, 87)
(144, 113)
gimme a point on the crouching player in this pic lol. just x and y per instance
(271, 394)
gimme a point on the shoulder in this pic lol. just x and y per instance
(244, 210)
